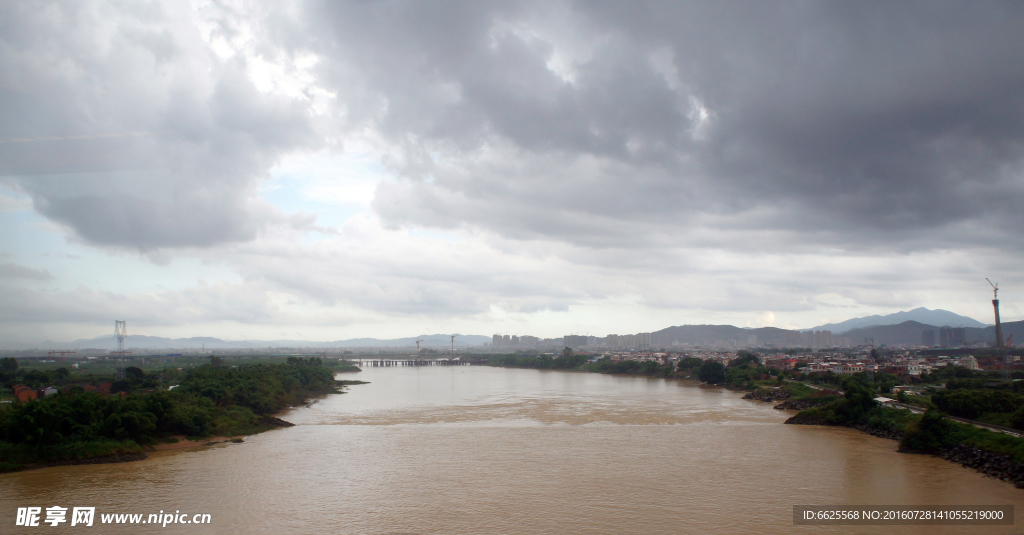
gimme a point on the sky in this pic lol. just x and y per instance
(325, 170)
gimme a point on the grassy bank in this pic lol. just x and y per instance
(928, 433)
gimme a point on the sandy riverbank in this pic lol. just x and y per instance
(184, 443)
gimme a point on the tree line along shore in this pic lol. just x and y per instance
(116, 422)
(851, 401)
(80, 422)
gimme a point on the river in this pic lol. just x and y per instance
(478, 450)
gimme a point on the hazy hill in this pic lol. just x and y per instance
(157, 342)
(920, 315)
(909, 333)
(988, 334)
(711, 334)
(906, 333)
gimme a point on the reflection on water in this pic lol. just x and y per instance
(434, 450)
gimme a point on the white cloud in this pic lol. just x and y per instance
(345, 169)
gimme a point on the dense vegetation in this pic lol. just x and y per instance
(8, 369)
(996, 406)
(928, 433)
(857, 407)
(932, 433)
(567, 360)
(210, 400)
(648, 368)
(571, 361)
(742, 372)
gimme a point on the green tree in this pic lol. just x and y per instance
(858, 401)
(35, 378)
(712, 372)
(133, 373)
(649, 367)
(1017, 419)
(744, 357)
(973, 403)
(8, 365)
(930, 434)
(689, 363)
(61, 374)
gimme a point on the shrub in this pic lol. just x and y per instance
(931, 434)
(712, 372)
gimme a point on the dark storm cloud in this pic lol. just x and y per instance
(897, 125)
(604, 124)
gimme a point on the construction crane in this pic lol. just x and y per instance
(453, 344)
(418, 350)
(999, 330)
(995, 306)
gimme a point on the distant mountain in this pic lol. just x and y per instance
(909, 333)
(905, 333)
(921, 315)
(718, 334)
(1016, 328)
(157, 342)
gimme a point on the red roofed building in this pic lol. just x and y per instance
(24, 393)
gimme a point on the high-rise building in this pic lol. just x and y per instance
(952, 336)
(573, 341)
(643, 340)
(928, 338)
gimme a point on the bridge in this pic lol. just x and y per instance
(413, 362)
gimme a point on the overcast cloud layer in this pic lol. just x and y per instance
(331, 170)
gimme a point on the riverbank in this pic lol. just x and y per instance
(213, 401)
(105, 459)
(995, 454)
(454, 434)
(855, 408)
(998, 466)
(130, 452)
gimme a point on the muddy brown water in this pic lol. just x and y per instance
(477, 450)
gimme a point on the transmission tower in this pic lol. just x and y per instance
(120, 332)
